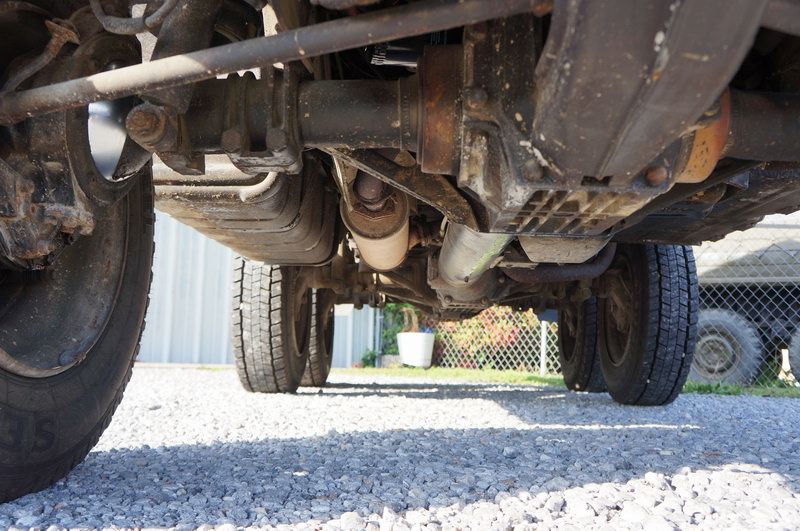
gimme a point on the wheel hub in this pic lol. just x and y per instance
(715, 354)
(620, 303)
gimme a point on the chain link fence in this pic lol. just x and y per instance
(499, 338)
(748, 323)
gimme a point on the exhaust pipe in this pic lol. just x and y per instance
(466, 257)
(379, 223)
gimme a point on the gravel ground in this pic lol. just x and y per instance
(190, 447)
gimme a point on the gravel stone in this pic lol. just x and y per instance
(190, 449)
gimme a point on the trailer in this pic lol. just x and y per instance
(750, 304)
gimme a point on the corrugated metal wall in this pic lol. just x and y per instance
(189, 316)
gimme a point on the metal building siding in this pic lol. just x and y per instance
(190, 304)
(355, 334)
(189, 316)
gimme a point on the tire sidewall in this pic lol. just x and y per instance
(42, 420)
(623, 379)
(295, 356)
(577, 369)
(744, 334)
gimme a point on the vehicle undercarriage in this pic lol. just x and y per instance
(451, 154)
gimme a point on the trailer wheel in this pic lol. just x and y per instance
(648, 321)
(577, 347)
(794, 354)
(729, 349)
(271, 326)
(320, 353)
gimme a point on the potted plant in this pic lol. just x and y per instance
(416, 348)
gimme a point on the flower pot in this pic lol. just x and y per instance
(416, 348)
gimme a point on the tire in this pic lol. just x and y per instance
(320, 352)
(794, 354)
(648, 323)
(577, 347)
(48, 425)
(272, 316)
(729, 349)
(69, 334)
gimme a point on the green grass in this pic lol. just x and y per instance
(776, 390)
(525, 378)
(469, 375)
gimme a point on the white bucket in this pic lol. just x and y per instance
(416, 348)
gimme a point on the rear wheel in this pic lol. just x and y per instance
(648, 323)
(320, 352)
(577, 347)
(272, 322)
(729, 349)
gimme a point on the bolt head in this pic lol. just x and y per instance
(476, 98)
(231, 141)
(146, 123)
(532, 171)
(277, 139)
(657, 175)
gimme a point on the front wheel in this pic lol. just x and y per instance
(72, 311)
(68, 339)
(648, 323)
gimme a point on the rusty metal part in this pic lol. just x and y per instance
(51, 190)
(132, 26)
(188, 28)
(61, 33)
(371, 192)
(543, 7)
(467, 255)
(328, 37)
(550, 273)
(637, 78)
(148, 125)
(382, 236)
(498, 162)
(359, 114)
(683, 192)
(441, 72)
(656, 175)
(161, 130)
(434, 190)
(708, 145)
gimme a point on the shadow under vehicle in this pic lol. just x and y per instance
(452, 154)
